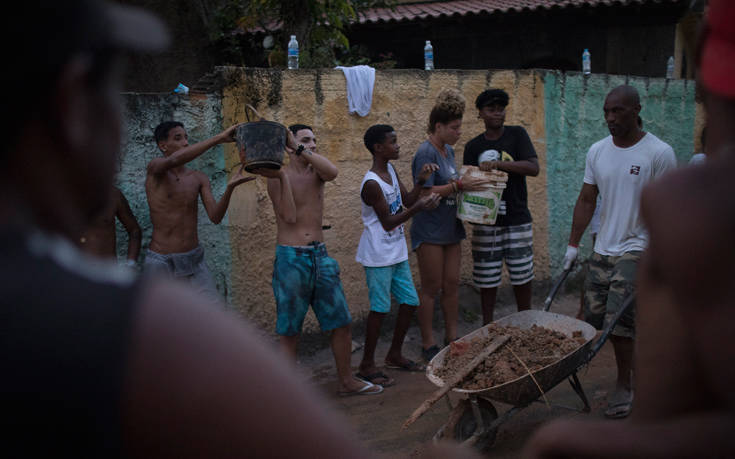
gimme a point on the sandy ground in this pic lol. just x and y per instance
(377, 419)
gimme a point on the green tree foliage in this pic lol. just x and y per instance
(319, 26)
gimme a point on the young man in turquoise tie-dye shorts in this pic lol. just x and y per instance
(303, 273)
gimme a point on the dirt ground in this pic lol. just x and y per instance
(377, 419)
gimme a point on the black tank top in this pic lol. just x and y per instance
(64, 335)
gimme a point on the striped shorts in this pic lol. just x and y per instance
(493, 244)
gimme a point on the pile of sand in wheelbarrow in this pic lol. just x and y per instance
(535, 346)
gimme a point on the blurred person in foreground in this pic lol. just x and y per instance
(684, 404)
(96, 363)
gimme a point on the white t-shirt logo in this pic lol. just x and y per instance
(488, 155)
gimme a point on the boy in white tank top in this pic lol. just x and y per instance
(386, 205)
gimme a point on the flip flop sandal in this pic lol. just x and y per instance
(365, 390)
(410, 365)
(429, 353)
(619, 405)
(371, 378)
(618, 410)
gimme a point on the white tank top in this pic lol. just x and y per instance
(379, 247)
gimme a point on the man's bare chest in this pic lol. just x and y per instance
(180, 190)
(307, 189)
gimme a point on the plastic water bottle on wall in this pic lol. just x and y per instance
(181, 89)
(586, 62)
(293, 53)
(670, 68)
(428, 56)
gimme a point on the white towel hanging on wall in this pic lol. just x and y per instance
(360, 82)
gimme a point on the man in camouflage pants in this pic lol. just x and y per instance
(618, 167)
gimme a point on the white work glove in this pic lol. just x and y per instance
(570, 257)
(131, 264)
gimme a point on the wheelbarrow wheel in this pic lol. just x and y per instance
(467, 425)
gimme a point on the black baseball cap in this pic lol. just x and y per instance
(44, 33)
(38, 37)
(129, 28)
(490, 97)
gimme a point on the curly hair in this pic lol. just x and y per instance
(449, 106)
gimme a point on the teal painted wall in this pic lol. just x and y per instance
(202, 117)
(574, 121)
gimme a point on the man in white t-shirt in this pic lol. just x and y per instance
(618, 168)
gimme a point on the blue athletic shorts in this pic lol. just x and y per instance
(303, 276)
(395, 279)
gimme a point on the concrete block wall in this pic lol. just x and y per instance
(561, 112)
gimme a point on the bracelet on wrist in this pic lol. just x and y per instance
(576, 246)
(459, 184)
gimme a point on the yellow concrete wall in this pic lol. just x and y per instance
(402, 98)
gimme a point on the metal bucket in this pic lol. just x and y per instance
(261, 143)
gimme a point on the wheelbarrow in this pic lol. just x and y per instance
(474, 420)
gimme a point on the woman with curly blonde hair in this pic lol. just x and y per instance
(436, 234)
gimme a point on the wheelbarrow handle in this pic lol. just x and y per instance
(609, 328)
(559, 282)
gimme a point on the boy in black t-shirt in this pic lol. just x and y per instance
(508, 149)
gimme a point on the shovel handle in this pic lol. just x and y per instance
(455, 379)
(555, 288)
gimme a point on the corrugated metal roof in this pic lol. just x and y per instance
(405, 12)
(413, 11)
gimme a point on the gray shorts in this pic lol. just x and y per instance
(189, 267)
